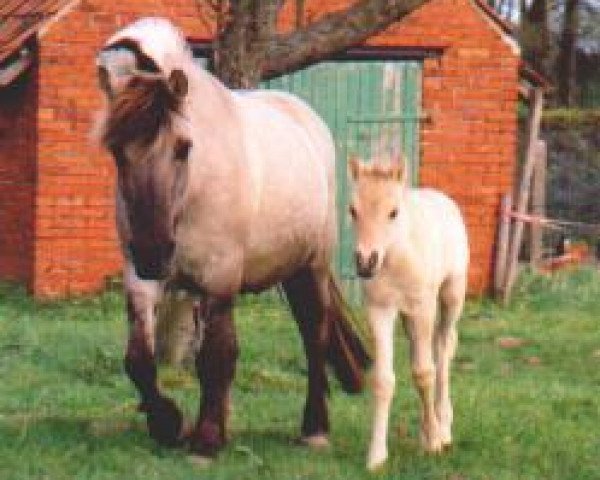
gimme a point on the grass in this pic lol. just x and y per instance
(532, 411)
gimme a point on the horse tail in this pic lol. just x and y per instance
(346, 350)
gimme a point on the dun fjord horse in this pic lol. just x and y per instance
(219, 193)
(412, 252)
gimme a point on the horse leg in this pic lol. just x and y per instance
(452, 297)
(163, 417)
(381, 322)
(215, 366)
(308, 302)
(419, 328)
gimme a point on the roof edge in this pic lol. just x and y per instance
(39, 28)
(505, 29)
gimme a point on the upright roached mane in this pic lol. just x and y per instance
(218, 193)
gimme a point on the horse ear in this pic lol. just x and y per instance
(178, 83)
(104, 80)
(354, 167)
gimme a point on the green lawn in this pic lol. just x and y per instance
(527, 412)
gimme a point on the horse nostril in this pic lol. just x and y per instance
(131, 249)
(169, 248)
(372, 260)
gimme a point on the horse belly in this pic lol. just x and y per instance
(285, 236)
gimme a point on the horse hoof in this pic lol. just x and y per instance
(317, 441)
(165, 422)
(206, 440)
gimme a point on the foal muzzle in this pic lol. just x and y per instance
(366, 267)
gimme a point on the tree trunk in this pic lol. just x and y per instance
(241, 45)
(535, 35)
(566, 58)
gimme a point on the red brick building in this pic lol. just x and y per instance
(57, 230)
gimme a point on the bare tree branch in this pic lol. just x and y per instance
(334, 32)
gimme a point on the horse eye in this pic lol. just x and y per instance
(353, 213)
(119, 156)
(182, 149)
(393, 214)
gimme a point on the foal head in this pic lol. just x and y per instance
(147, 136)
(376, 208)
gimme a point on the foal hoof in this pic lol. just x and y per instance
(433, 447)
(317, 441)
(165, 422)
(375, 463)
(200, 461)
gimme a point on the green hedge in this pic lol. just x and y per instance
(570, 117)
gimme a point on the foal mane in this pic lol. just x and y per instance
(378, 170)
(140, 111)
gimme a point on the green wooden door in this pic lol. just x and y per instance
(372, 107)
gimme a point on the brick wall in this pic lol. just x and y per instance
(467, 147)
(75, 242)
(17, 177)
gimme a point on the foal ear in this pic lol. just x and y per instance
(354, 167)
(399, 168)
(178, 83)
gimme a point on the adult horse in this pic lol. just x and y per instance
(219, 192)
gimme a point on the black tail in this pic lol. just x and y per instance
(346, 352)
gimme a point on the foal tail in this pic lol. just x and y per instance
(346, 351)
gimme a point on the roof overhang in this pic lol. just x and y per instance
(20, 21)
(14, 66)
(530, 79)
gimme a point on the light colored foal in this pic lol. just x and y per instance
(412, 253)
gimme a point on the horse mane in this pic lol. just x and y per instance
(140, 111)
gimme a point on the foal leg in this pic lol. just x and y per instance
(309, 306)
(452, 300)
(419, 329)
(215, 366)
(163, 418)
(381, 321)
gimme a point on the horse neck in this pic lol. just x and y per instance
(209, 94)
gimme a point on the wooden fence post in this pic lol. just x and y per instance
(502, 245)
(538, 202)
(535, 116)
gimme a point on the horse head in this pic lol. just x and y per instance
(377, 208)
(144, 129)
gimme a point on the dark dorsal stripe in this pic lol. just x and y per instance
(143, 62)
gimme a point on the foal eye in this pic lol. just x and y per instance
(393, 214)
(182, 149)
(352, 212)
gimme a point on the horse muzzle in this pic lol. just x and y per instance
(152, 262)
(366, 266)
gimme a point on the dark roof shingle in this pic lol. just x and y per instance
(20, 19)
